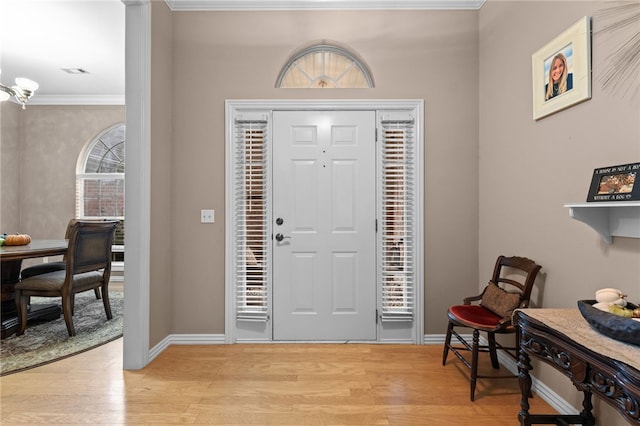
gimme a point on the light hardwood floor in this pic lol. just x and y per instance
(269, 384)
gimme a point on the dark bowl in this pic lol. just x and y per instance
(611, 325)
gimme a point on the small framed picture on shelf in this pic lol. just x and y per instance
(615, 183)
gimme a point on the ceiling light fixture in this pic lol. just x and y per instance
(22, 91)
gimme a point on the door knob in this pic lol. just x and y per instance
(280, 237)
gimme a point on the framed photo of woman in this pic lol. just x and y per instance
(562, 70)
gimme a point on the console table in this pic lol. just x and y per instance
(595, 364)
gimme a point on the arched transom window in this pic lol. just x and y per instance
(324, 66)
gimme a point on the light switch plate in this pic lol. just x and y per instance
(207, 216)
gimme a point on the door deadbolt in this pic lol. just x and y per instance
(279, 221)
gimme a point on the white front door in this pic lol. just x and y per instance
(324, 212)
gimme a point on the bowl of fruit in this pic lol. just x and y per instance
(612, 315)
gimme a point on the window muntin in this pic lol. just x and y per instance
(324, 66)
(107, 154)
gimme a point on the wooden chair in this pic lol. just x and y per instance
(88, 267)
(510, 287)
(43, 268)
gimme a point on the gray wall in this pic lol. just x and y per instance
(529, 169)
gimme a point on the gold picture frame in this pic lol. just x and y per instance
(561, 70)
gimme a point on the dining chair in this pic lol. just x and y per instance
(510, 288)
(43, 268)
(88, 267)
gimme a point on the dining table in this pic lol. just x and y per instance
(11, 258)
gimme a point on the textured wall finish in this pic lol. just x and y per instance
(50, 140)
(10, 168)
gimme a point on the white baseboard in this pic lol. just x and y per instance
(186, 339)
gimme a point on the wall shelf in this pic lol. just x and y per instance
(609, 219)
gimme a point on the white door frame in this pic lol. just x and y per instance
(234, 108)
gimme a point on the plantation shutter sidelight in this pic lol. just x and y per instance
(396, 232)
(250, 220)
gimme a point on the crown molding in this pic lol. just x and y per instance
(224, 5)
(135, 2)
(76, 100)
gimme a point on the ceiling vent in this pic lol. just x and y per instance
(75, 70)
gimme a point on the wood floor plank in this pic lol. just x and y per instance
(279, 384)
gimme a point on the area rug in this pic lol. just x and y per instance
(49, 341)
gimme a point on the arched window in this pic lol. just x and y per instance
(100, 185)
(324, 66)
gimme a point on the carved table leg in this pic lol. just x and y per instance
(524, 379)
(586, 413)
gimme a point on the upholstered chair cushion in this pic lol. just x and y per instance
(42, 268)
(55, 280)
(475, 316)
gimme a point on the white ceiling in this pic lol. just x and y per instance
(38, 38)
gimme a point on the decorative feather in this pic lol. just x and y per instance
(622, 69)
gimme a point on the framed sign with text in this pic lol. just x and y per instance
(615, 183)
